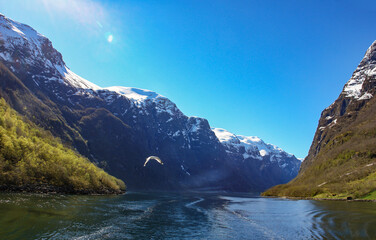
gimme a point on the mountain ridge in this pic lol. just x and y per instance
(121, 126)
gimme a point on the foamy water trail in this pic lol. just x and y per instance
(95, 235)
(194, 202)
(243, 215)
(192, 205)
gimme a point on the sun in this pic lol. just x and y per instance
(110, 38)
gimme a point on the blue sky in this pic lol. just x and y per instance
(255, 68)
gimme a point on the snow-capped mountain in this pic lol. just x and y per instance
(366, 69)
(37, 52)
(359, 90)
(341, 160)
(245, 148)
(118, 127)
(143, 98)
(250, 147)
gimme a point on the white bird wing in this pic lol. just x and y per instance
(153, 158)
(147, 160)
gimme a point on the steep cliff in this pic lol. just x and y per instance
(342, 159)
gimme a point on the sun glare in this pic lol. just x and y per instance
(110, 38)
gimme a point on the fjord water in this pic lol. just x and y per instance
(182, 216)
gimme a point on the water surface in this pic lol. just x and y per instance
(181, 216)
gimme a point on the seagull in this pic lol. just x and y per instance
(153, 157)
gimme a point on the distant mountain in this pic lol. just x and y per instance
(269, 163)
(342, 159)
(119, 127)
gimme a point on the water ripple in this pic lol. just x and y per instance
(181, 216)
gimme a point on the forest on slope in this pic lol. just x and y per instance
(31, 159)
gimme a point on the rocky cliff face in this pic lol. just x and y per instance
(118, 127)
(357, 92)
(342, 158)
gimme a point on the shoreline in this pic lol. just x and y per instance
(50, 189)
(323, 199)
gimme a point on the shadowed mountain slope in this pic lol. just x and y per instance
(119, 127)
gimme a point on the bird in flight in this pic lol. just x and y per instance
(153, 158)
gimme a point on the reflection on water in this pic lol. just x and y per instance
(181, 216)
(345, 220)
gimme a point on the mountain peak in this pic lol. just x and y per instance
(254, 146)
(370, 54)
(18, 28)
(23, 47)
(367, 68)
(136, 94)
(225, 136)
(14, 34)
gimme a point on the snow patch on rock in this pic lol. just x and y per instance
(366, 96)
(143, 98)
(367, 67)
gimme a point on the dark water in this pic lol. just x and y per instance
(181, 216)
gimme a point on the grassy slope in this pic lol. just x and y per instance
(38, 109)
(33, 157)
(345, 166)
